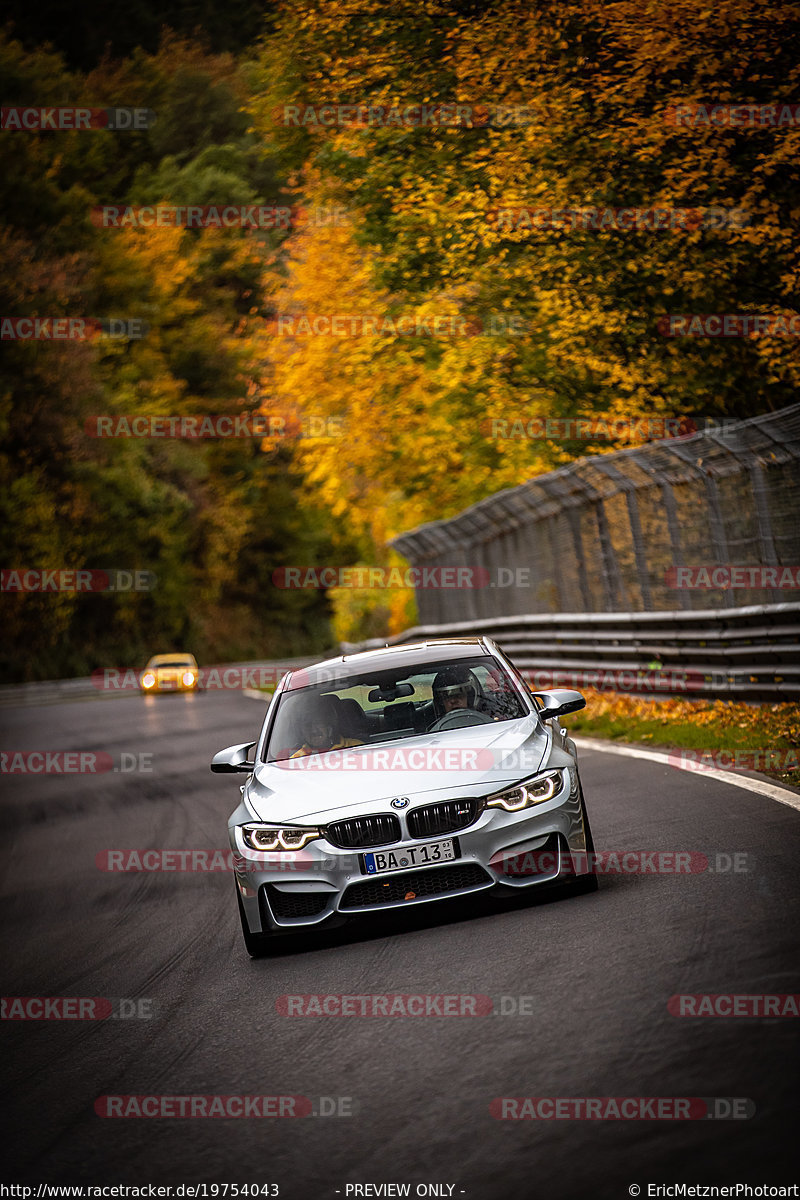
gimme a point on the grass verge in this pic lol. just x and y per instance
(726, 733)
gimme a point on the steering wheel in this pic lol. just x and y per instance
(459, 718)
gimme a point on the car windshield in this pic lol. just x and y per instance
(392, 704)
(172, 662)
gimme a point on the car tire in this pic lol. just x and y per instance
(583, 884)
(258, 945)
(587, 827)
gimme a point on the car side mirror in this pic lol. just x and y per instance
(233, 758)
(558, 702)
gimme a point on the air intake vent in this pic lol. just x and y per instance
(391, 889)
(296, 904)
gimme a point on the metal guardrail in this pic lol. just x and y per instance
(736, 653)
(748, 653)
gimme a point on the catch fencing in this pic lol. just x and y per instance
(614, 533)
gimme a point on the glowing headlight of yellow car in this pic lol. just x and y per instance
(148, 680)
(531, 792)
(271, 837)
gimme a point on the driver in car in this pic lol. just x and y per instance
(454, 688)
(320, 728)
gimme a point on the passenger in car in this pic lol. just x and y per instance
(319, 724)
(352, 720)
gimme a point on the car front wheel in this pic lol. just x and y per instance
(582, 884)
(258, 945)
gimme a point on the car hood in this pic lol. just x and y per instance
(472, 761)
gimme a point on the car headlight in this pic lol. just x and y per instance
(525, 795)
(271, 837)
(188, 678)
(148, 680)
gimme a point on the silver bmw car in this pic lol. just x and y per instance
(399, 777)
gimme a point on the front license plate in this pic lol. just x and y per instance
(424, 855)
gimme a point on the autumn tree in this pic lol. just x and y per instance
(596, 85)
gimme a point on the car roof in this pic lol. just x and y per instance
(406, 656)
(160, 658)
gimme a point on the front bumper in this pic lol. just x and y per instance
(324, 884)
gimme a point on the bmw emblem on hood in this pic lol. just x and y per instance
(400, 802)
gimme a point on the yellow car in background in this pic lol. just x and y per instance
(170, 673)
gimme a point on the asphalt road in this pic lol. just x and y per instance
(597, 972)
